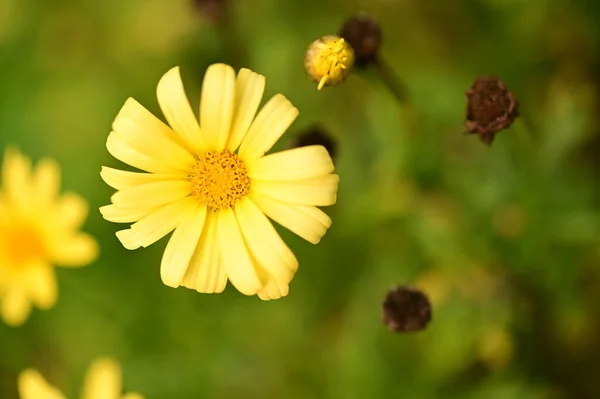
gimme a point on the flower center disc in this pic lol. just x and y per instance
(21, 244)
(219, 179)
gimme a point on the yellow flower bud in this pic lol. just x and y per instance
(329, 60)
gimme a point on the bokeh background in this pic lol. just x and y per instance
(505, 239)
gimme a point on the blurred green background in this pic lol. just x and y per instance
(505, 239)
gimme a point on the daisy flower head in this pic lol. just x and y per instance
(102, 381)
(211, 182)
(39, 228)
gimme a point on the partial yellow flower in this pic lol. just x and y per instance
(329, 60)
(103, 381)
(39, 228)
(212, 183)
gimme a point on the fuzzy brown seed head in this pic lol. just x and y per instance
(406, 309)
(491, 107)
(363, 34)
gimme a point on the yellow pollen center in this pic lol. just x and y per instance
(219, 179)
(21, 244)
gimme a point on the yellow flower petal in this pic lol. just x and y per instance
(123, 179)
(295, 164)
(152, 194)
(16, 179)
(133, 395)
(318, 191)
(115, 214)
(216, 105)
(181, 246)
(121, 150)
(274, 289)
(308, 222)
(249, 88)
(15, 305)
(103, 380)
(134, 117)
(206, 272)
(46, 181)
(271, 122)
(264, 243)
(176, 108)
(74, 251)
(160, 148)
(42, 283)
(71, 211)
(239, 266)
(33, 386)
(156, 225)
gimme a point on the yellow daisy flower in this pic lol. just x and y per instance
(212, 183)
(38, 228)
(103, 381)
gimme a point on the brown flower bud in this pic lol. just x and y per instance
(316, 135)
(406, 309)
(363, 34)
(213, 11)
(491, 107)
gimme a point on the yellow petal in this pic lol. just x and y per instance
(15, 306)
(206, 272)
(249, 88)
(115, 214)
(176, 108)
(43, 289)
(152, 194)
(181, 246)
(159, 148)
(271, 122)
(120, 149)
(216, 105)
(77, 250)
(264, 243)
(123, 179)
(318, 191)
(274, 289)
(134, 117)
(156, 225)
(103, 380)
(33, 386)
(133, 395)
(295, 164)
(71, 210)
(308, 222)
(234, 254)
(16, 179)
(46, 181)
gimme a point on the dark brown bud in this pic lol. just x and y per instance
(213, 11)
(491, 107)
(363, 34)
(406, 309)
(316, 135)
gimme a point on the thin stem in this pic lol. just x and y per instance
(392, 81)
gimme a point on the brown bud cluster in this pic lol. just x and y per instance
(406, 309)
(491, 107)
(363, 34)
(316, 135)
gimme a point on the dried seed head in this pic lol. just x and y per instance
(363, 34)
(329, 60)
(406, 309)
(316, 135)
(491, 107)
